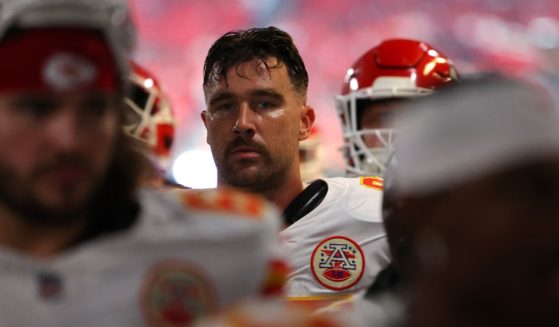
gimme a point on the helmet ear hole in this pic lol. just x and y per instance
(168, 141)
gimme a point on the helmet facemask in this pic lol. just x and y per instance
(366, 150)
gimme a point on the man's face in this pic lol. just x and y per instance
(54, 151)
(377, 115)
(255, 120)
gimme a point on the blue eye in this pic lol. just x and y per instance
(264, 105)
(223, 107)
(226, 107)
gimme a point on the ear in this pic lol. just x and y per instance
(204, 117)
(306, 122)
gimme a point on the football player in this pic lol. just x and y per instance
(255, 85)
(80, 243)
(375, 87)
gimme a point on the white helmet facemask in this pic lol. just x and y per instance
(361, 159)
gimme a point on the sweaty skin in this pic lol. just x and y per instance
(255, 119)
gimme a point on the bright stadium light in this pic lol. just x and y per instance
(195, 169)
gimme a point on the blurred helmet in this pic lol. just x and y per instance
(111, 17)
(149, 116)
(311, 154)
(394, 69)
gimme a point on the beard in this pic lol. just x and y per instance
(21, 193)
(253, 175)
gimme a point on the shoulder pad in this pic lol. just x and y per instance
(224, 200)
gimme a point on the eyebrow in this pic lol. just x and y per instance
(220, 96)
(226, 95)
(267, 92)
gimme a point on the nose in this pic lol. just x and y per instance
(64, 130)
(245, 122)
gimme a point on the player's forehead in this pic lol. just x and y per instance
(255, 71)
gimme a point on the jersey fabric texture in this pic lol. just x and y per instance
(189, 253)
(340, 246)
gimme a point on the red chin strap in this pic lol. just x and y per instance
(57, 60)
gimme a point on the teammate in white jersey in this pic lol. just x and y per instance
(255, 84)
(79, 243)
(376, 87)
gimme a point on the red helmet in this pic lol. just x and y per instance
(149, 117)
(394, 69)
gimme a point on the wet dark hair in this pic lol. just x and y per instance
(237, 47)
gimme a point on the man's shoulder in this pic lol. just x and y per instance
(359, 197)
(223, 206)
(224, 201)
(361, 184)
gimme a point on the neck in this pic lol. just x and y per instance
(283, 195)
(280, 195)
(35, 240)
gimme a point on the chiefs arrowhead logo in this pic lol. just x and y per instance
(338, 263)
(175, 293)
(65, 71)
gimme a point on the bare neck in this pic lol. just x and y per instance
(280, 195)
(283, 195)
(36, 241)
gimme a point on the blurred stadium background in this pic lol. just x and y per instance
(513, 36)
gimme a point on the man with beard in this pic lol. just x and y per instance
(255, 85)
(80, 244)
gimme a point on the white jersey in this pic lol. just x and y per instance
(340, 246)
(189, 253)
